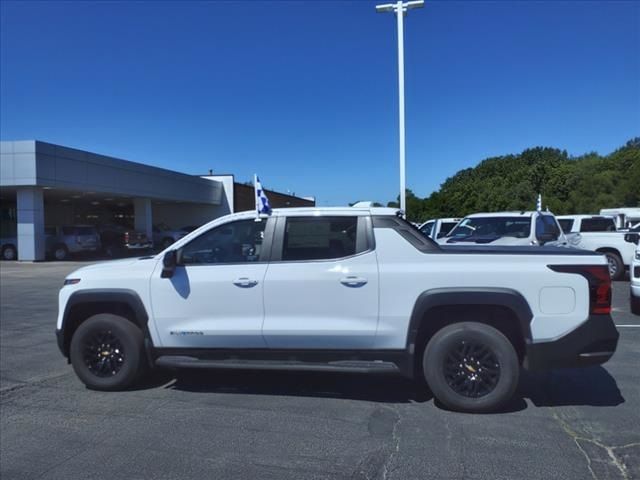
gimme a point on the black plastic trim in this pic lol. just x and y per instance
(407, 231)
(280, 358)
(108, 295)
(592, 343)
(440, 297)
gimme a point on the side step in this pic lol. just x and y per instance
(354, 366)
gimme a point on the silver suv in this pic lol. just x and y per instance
(70, 239)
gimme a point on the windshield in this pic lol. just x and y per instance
(470, 228)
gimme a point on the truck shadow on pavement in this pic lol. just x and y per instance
(592, 386)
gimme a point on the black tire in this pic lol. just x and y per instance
(616, 267)
(119, 360)
(60, 252)
(9, 252)
(453, 383)
(635, 305)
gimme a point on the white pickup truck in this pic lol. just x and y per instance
(507, 229)
(599, 233)
(339, 290)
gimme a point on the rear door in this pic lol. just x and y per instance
(321, 286)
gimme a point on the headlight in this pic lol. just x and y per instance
(71, 281)
(637, 254)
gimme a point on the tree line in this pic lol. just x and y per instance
(568, 184)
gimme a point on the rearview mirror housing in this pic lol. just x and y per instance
(169, 263)
(632, 237)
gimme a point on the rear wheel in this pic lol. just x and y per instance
(616, 267)
(60, 252)
(107, 352)
(471, 367)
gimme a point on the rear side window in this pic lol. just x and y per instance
(566, 224)
(598, 225)
(319, 238)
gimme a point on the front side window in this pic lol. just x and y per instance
(319, 238)
(446, 227)
(235, 242)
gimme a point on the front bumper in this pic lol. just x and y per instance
(592, 343)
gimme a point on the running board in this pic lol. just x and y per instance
(354, 366)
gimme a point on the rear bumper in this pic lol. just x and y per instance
(592, 343)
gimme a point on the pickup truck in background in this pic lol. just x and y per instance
(340, 290)
(599, 234)
(508, 229)
(438, 227)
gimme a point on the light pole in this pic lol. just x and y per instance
(400, 8)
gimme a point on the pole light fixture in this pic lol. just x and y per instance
(400, 8)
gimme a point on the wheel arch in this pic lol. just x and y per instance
(502, 308)
(86, 303)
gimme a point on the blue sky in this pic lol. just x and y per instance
(305, 93)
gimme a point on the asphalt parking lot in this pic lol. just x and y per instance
(565, 424)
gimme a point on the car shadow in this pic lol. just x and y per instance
(592, 386)
(371, 387)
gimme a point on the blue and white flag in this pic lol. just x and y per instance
(262, 202)
(539, 203)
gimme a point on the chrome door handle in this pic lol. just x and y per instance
(353, 281)
(245, 282)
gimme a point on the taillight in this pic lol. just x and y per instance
(599, 285)
(126, 237)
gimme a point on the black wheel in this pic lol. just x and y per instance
(616, 267)
(60, 252)
(166, 242)
(471, 367)
(9, 252)
(107, 352)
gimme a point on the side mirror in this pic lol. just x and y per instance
(169, 263)
(632, 237)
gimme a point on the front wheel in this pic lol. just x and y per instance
(471, 367)
(616, 267)
(107, 352)
(60, 252)
(9, 252)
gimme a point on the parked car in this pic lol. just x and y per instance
(63, 241)
(508, 228)
(599, 233)
(9, 248)
(340, 290)
(117, 240)
(164, 236)
(438, 227)
(625, 217)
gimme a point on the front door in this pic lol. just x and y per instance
(321, 287)
(214, 299)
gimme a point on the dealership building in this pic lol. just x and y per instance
(42, 184)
